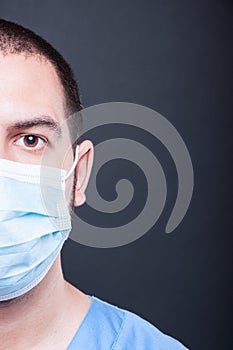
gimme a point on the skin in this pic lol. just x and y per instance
(48, 316)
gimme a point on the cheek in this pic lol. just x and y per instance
(69, 190)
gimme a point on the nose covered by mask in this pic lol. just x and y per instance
(34, 223)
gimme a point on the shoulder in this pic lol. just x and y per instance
(129, 331)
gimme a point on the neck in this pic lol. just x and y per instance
(51, 307)
(23, 315)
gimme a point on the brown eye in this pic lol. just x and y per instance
(31, 142)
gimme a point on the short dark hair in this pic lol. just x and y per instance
(16, 39)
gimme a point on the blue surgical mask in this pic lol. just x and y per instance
(34, 223)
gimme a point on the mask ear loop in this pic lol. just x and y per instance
(74, 164)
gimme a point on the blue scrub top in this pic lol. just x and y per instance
(107, 327)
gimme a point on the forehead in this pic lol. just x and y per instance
(29, 86)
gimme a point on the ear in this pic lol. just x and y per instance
(83, 171)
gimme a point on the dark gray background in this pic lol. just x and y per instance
(175, 57)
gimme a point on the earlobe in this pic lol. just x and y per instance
(80, 198)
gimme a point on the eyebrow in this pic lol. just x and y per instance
(44, 121)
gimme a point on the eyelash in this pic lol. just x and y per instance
(39, 145)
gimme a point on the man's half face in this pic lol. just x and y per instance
(31, 111)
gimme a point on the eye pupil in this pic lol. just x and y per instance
(30, 139)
